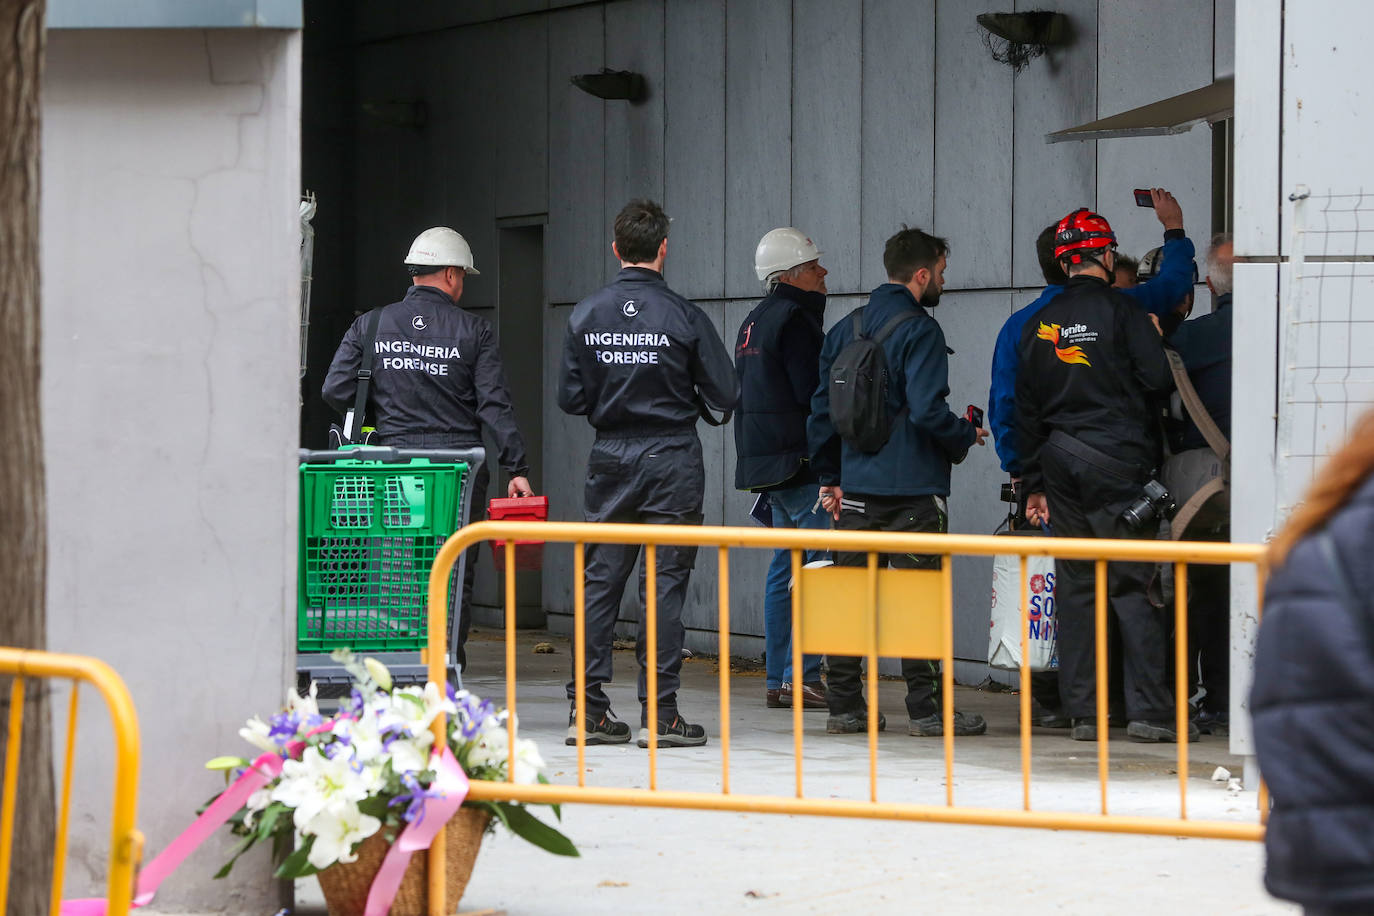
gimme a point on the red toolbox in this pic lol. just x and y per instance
(528, 554)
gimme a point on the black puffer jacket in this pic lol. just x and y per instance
(1313, 709)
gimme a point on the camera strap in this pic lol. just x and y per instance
(1100, 460)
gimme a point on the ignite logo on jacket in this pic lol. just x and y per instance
(1068, 337)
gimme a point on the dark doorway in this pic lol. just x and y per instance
(519, 323)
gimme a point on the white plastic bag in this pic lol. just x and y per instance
(1004, 642)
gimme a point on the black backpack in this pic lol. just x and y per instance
(858, 386)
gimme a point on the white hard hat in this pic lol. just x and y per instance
(441, 247)
(783, 249)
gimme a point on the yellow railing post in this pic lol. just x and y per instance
(125, 840)
(724, 654)
(797, 665)
(1025, 696)
(1100, 652)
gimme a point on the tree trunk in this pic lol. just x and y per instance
(23, 531)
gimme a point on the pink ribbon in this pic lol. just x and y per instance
(452, 782)
(262, 771)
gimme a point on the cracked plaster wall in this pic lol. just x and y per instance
(170, 291)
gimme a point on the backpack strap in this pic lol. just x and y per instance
(353, 421)
(1178, 525)
(1196, 411)
(858, 319)
(892, 323)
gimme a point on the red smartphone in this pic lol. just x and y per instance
(1143, 198)
(974, 415)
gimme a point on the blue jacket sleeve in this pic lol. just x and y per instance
(927, 385)
(822, 439)
(1161, 293)
(1002, 398)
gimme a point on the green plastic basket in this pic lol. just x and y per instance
(369, 533)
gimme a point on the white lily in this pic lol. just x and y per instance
(336, 829)
(257, 733)
(314, 783)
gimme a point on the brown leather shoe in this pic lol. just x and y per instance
(813, 696)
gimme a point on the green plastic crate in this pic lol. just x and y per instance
(369, 533)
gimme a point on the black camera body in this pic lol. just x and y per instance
(1154, 503)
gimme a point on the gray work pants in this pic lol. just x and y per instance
(653, 480)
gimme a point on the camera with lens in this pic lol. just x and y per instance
(1010, 493)
(1154, 503)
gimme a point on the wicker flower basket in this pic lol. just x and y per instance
(345, 886)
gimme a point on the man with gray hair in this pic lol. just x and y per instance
(777, 359)
(1205, 346)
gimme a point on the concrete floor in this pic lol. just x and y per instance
(668, 861)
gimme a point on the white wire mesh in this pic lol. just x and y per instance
(1326, 333)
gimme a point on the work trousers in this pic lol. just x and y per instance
(859, 512)
(459, 600)
(1209, 628)
(653, 480)
(1086, 502)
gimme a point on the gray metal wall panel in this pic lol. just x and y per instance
(827, 127)
(578, 240)
(522, 136)
(694, 179)
(1144, 59)
(970, 321)
(389, 205)
(634, 133)
(898, 125)
(1054, 92)
(1224, 38)
(454, 152)
(758, 128)
(973, 160)
(567, 442)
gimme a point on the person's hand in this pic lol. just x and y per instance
(830, 501)
(1037, 509)
(519, 486)
(982, 435)
(1154, 320)
(1167, 209)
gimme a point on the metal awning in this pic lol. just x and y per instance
(1174, 115)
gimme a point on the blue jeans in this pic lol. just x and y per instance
(792, 508)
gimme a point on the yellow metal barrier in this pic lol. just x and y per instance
(903, 613)
(126, 843)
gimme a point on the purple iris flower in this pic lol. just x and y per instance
(414, 800)
(284, 726)
(392, 733)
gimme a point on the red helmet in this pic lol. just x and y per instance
(1082, 229)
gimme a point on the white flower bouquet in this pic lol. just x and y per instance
(370, 767)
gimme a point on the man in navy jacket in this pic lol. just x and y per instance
(776, 355)
(904, 485)
(641, 363)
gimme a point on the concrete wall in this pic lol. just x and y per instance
(844, 117)
(170, 288)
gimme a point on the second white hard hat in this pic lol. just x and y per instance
(783, 249)
(441, 247)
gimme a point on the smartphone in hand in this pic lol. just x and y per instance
(1143, 198)
(974, 415)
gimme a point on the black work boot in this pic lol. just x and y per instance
(599, 731)
(677, 733)
(851, 723)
